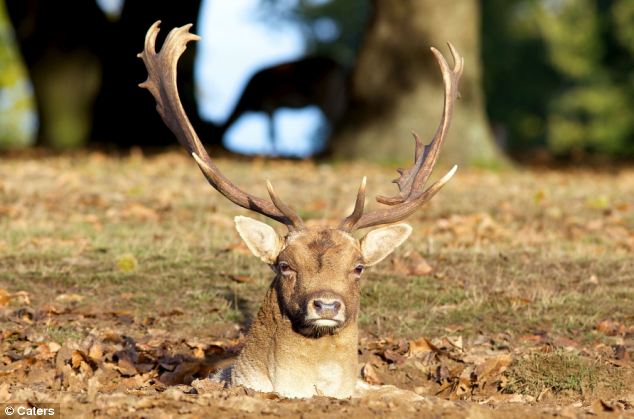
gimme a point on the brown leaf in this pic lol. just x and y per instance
(393, 356)
(369, 374)
(144, 368)
(11, 368)
(69, 298)
(610, 327)
(184, 373)
(620, 353)
(491, 367)
(242, 279)
(600, 406)
(206, 385)
(418, 265)
(5, 297)
(22, 297)
(421, 346)
(139, 212)
(96, 352)
(54, 347)
(173, 312)
(199, 352)
(76, 359)
(126, 367)
(63, 355)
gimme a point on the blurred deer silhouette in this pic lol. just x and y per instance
(316, 80)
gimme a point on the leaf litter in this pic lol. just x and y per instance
(65, 345)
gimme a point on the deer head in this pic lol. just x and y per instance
(304, 339)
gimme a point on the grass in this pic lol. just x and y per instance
(560, 372)
(61, 334)
(512, 252)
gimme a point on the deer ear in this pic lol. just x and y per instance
(260, 238)
(379, 243)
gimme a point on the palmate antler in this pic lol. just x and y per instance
(161, 83)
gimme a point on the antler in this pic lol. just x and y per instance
(411, 181)
(161, 82)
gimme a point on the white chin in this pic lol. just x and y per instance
(325, 323)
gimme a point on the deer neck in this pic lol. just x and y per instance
(276, 358)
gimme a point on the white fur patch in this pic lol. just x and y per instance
(329, 377)
(326, 322)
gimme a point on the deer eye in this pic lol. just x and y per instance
(359, 269)
(284, 268)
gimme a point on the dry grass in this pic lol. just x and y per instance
(524, 254)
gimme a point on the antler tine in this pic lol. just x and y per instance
(350, 221)
(411, 181)
(161, 82)
(285, 209)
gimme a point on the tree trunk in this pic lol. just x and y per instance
(126, 114)
(397, 87)
(85, 71)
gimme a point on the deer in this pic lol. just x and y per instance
(303, 341)
(313, 80)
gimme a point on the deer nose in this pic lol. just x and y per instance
(327, 307)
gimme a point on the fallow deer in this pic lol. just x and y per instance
(303, 341)
(317, 80)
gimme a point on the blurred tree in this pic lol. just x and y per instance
(85, 71)
(17, 108)
(62, 54)
(396, 85)
(560, 74)
(333, 28)
(124, 113)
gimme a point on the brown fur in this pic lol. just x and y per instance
(281, 351)
(303, 341)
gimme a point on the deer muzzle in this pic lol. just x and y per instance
(326, 310)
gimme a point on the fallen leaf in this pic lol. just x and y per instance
(421, 346)
(369, 374)
(610, 327)
(418, 265)
(126, 367)
(394, 356)
(5, 297)
(76, 359)
(54, 347)
(139, 212)
(20, 297)
(69, 298)
(206, 385)
(95, 352)
(620, 353)
(242, 279)
(601, 406)
(491, 367)
(184, 373)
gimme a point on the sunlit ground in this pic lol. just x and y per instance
(123, 279)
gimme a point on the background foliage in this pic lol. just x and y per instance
(559, 74)
(17, 121)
